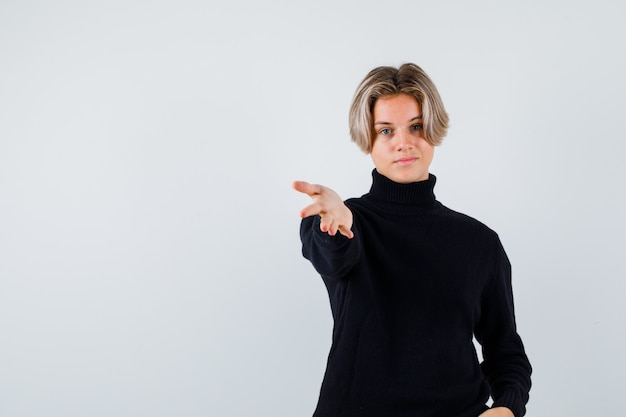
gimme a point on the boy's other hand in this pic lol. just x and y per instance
(335, 215)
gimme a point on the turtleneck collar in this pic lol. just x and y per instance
(417, 194)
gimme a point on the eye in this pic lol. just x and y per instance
(416, 127)
(384, 131)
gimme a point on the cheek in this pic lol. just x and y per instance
(378, 155)
(377, 150)
(374, 156)
(428, 152)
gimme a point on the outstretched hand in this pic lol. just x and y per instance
(335, 215)
(497, 412)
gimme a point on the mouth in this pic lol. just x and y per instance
(406, 160)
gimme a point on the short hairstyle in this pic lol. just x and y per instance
(388, 81)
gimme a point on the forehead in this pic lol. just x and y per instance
(396, 108)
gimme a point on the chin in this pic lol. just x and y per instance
(403, 177)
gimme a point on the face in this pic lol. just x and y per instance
(400, 151)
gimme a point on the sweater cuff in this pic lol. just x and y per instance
(511, 400)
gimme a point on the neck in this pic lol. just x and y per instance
(419, 193)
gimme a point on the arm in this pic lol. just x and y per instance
(505, 364)
(327, 231)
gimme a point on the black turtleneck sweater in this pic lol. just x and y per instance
(407, 294)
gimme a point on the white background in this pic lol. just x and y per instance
(150, 260)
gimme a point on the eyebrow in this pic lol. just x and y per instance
(419, 117)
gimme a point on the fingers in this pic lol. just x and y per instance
(328, 225)
(331, 226)
(334, 215)
(346, 232)
(306, 188)
(311, 210)
(312, 190)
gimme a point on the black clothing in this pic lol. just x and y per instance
(407, 294)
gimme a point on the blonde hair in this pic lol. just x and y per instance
(388, 81)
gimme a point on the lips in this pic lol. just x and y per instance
(406, 160)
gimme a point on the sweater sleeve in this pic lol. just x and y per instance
(505, 364)
(331, 256)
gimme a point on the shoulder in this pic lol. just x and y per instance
(465, 223)
(357, 203)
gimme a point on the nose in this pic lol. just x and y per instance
(404, 141)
